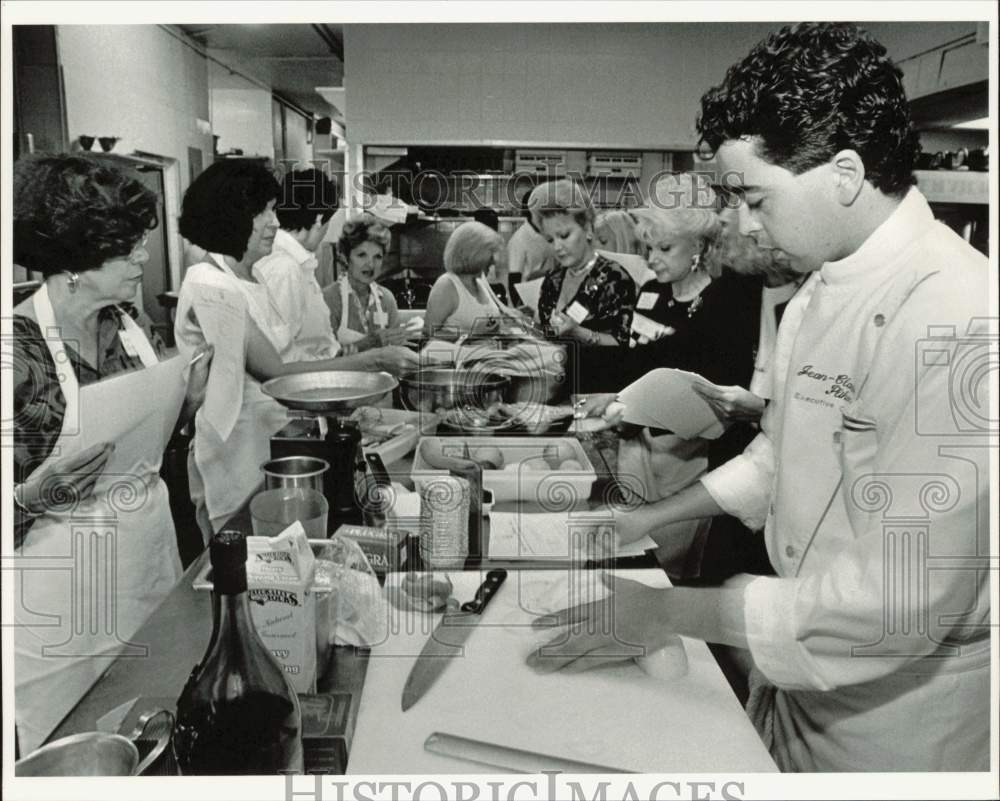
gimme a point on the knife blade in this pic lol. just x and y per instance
(447, 639)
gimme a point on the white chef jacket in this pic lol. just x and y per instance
(771, 298)
(871, 473)
(289, 273)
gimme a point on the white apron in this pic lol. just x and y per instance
(226, 473)
(346, 335)
(74, 614)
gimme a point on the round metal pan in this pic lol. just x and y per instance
(329, 391)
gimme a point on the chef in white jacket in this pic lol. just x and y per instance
(229, 211)
(871, 645)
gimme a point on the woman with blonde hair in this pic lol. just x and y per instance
(588, 297)
(615, 233)
(461, 300)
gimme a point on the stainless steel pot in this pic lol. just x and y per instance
(305, 472)
(440, 389)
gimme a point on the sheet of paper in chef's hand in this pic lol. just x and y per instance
(137, 411)
(554, 536)
(665, 398)
(529, 292)
(222, 316)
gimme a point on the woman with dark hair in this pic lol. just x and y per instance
(83, 226)
(229, 210)
(364, 314)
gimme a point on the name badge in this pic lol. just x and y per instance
(381, 319)
(577, 312)
(647, 300)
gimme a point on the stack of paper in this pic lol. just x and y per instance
(665, 398)
(560, 536)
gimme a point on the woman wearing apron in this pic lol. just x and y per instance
(229, 211)
(364, 314)
(84, 227)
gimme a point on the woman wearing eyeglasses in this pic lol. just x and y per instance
(83, 226)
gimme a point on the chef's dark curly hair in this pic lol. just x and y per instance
(304, 194)
(219, 206)
(74, 213)
(814, 89)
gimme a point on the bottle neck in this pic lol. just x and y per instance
(231, 618)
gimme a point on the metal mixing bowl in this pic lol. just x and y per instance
(441, 389)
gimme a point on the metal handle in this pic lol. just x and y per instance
(486, 591)
(164, 730)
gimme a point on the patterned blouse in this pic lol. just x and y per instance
(608, 294)
(39, 404)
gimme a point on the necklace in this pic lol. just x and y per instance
(576, 272)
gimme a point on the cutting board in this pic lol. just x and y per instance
(617, 717)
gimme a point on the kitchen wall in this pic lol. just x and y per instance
(240, 113)
(535, 84)
(542, 84)
(142, 84)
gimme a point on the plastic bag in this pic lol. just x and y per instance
(356, 607)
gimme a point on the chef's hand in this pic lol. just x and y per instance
(395, 359)
(197, 383)
(66, 481)
(562, 324)
(731, 403)
(629, 623)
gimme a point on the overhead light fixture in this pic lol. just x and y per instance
(982, 124)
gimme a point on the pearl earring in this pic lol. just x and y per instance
(72, 280)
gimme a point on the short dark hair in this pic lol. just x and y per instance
(811, 90)
(304, 194)
(365, 228)
(487, 217)
(220, 204)
(74, 213)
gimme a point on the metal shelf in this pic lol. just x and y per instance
(954, 186)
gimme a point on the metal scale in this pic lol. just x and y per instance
(319, 405)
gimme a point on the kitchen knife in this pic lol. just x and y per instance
(445, 642)
(505, 758)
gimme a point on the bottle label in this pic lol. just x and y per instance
(263, 595)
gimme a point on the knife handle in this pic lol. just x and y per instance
(486, 591)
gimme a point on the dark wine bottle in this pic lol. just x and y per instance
(237, 713)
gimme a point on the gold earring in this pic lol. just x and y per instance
(72, 280)
(695, 261)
